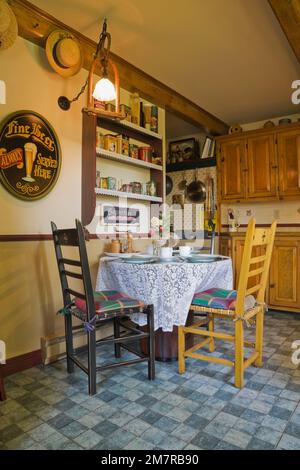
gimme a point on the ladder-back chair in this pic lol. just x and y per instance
(97, 308)
(247, 304)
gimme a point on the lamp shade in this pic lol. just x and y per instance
(104, 90)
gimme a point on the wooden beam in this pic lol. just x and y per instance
(288, 15)
(35, 25)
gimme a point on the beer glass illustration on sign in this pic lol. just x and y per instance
(30, 156)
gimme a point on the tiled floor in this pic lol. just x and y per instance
(49, 409)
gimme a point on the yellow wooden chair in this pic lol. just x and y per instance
(238, 306)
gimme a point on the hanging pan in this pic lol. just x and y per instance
(196, 191)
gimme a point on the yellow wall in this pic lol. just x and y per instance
(30, 292)
(29, 284)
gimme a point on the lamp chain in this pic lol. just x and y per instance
(81, 91)
(63, 102)
(100, 46)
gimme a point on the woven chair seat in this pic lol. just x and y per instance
(109, 301)
(220, 299)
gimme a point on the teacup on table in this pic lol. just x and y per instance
(185, 250)
(149, 250)
(166, 252)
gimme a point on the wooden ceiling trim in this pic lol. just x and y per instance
(35, 25)
(288, 15)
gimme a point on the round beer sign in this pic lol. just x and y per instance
(30, 155)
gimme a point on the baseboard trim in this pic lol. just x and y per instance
(20, 363)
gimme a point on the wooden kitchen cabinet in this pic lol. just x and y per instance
(231, 169)
(261, 167)
(284, 287)
(283, 291)
(289, 163)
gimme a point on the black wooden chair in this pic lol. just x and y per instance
(96, 308)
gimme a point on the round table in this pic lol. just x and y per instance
(170, 287)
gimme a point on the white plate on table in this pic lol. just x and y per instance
(144, 256)
(173, 259)
(202, 258)
(120, 255)
(139, 260)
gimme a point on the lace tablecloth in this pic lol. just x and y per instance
(169, 287)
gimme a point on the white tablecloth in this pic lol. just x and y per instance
(169, 287)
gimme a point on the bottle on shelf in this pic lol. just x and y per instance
(154, 119)
(129, 242)
(142, 117)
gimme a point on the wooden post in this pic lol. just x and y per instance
(211, 328)
(259, 337)
(239, 354)
(2, 389)
(181, 350)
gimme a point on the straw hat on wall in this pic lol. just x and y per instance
(8, 26)
(63, 53)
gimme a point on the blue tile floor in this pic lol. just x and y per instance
(49, 409)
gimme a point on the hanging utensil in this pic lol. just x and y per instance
(183, 183)
(169, 184)
(196, 191)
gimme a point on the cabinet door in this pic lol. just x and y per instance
(284, 274)
(262, 169)
(232, 161)
(225, 247)
(289, 163)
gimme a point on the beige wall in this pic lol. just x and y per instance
(30, 292)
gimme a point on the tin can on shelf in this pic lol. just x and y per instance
(111, 183)
(127, 188)
(126, 110)
(103, 183)
(136, 187)
(135, 108)
(154, 119)
(147, 116)
(99, 138)
(110, 142)
(119, 138)
(99, 104)
(125, 145)
(133, 151)
(110, 107)
(145, 154)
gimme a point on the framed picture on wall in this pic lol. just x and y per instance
(116, 215)
(185, 150)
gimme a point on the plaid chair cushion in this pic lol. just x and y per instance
(108, 301)
(220, 298)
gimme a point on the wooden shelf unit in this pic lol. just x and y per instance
(202, 163)
(141, 197)
(102, 153)
(90, 153)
